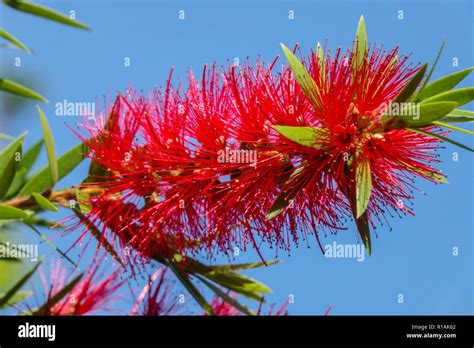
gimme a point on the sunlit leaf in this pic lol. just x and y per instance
(429, 112)
(306, 136)
(450, 126)
(5, 34)
(233, 302)
(50, 149)
(7, 212)
(461, 96)
(306, 82)
(459, 115)
(41, 180)
(44, 202)
(361, 46)
(444, 84)
(20, 90)
(9, 163)
(42, 11)
(363, 187)
(15, 288)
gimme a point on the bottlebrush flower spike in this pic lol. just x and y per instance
(248, 155)
(80, 295)
(370, 154)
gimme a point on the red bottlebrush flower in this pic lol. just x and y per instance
(200, 170)
(156, 298)
(93, 293)
(351, 101)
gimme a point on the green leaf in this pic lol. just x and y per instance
(9, 164)
(432, 175)
(7, 212)
(44, 12)
(20, 296)
(237, 280)
(306, 136)
(440, 137)
(44, 202)
(26, 163)
(444, 84)
(50, 149)
(429, 112)
(184, 279)
(458, 115)
(15, 288)
(361, 46)
(233, 302)
(41, 181)
(51, 244)
(58, 296)
(5, 34)
(461, 96)
(411, 86)
(363, 187)
(459, 129)
(241, 266)
(285, 198)
(306, 82)
(20, 90)
(433, 67)
(363, 227)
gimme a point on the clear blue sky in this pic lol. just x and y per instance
(415, 259)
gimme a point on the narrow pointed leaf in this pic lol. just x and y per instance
(360, 44)
(5, 34)
(285, 198)
(20, 296)
(44, 202)
(50, 149)
(9, 163)
(15, 288)
(363, 187)
(233, 302)
(7, 212)
(58, 296)
(432, 68)
(20, 90)
(459, 115)
(41, 180)
(461, 96)
(444, 84)
(411, 86)
(459, 129)
(237, 280)
(363, 227)
(306, 82)
(42, 11)
(306, 136)
(27, 162)
(440, 137)
(241, 266)
(429, 112)
(184, 279)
